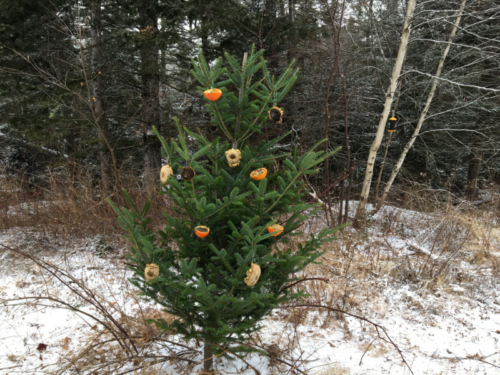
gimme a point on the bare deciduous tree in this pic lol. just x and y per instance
(403, 47)
(423, 115)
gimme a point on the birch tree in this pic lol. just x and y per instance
(423, 115)
(396, 71)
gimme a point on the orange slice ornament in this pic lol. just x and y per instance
(275, 229)
(259, 174)
(212, 94)
(201, 231)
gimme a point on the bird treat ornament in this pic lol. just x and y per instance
(276, 114)
(165, 172)
(275, 229)
(233, 157)
(201, 231)
(253, 275)
(259, 174)
(187, 173)
(151, 271)
(212, 94)
(392, 124)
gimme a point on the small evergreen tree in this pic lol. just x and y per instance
(205, 282)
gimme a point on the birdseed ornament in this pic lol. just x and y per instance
(259, 174)
(253, 275)
(233, 157)
(275, 229)
(165, 173)
(392, 124)
(212, 94)
(152, 270)
(187, 173)
(201, 231)
(276, 114)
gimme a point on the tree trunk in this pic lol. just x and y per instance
(348, 194)
(382, 167)
(97, 94)
(204, 28)
(343, 215)
(473, 174)
(403, 46)
(150, 89)
(208, 363)
(423, 115)
(291, 19)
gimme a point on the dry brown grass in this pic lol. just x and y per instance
(356, 262)
(71, 203)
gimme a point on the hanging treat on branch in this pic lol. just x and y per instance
(233, 157)
(392, 124)
(212, 94)
(151, 271)
(187, 173)
(165, 172)
(275, 229)
(259, 174)
(276, 114)
(201, 231)
(253, 275)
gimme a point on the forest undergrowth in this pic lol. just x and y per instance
(62, 249)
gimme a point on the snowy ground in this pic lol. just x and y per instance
(449, 327)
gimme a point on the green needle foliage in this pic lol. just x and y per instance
(201, 281)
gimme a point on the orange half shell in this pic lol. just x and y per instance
(201, 231)
(259, 174)
(275, 229)
(212, 94)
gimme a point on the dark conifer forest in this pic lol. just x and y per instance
(83, 83)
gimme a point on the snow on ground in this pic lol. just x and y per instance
(452, 328)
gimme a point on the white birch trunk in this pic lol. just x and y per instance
(396, 71)
(423, 115)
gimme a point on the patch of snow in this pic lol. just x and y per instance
(453, 330)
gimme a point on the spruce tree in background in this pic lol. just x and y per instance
(230, 221)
